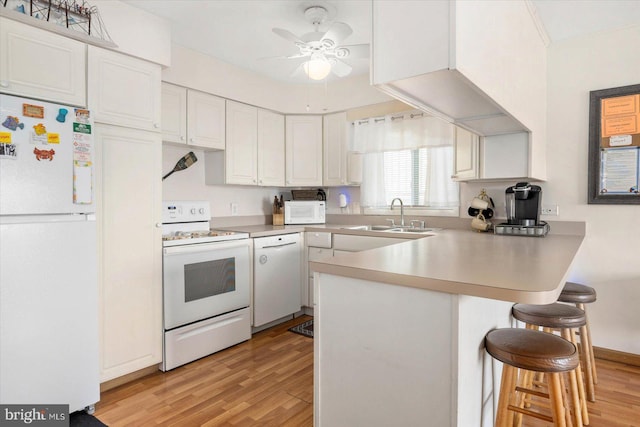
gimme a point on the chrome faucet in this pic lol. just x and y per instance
(401, 210)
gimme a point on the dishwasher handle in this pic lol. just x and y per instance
(278, 246)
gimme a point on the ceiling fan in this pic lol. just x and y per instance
(323, 50)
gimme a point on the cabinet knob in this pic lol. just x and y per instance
(253, 180)
(192, 140)
(158, 225)
(156, 125)
(4, 83)
(260, 181)
(182, 138)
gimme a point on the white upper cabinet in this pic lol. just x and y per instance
(39, 64)
(270, 148)
(303, 143)
(241, 153)
(174, 114)
(481, 65)
(504, 156)
(254, 153)
(465, 155)
(334, 149)
(192, 118)
(124, 91)
(205, 120)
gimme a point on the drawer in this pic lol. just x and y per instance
(318, 239)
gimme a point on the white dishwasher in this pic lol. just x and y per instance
(276, 277)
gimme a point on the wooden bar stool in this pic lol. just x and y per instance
(523, 351)
(580, 295)
(565, 318)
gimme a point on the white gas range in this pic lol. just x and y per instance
(205, 284)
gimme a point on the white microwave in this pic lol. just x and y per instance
(304, 212)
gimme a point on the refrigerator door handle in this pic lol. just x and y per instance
(28, 219)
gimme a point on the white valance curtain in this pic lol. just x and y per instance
(425, 179)
(401, 132)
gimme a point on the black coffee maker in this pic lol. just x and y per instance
(523, 202)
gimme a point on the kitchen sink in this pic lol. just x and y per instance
(390, 229)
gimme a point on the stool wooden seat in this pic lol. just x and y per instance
(565, 318)
(531, 351)
(580, 295)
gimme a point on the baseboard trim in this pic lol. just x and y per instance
(617, 356)
(117, 382)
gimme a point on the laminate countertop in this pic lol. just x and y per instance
(530, 270)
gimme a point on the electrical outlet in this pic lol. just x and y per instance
(549, 210)
(234, 209)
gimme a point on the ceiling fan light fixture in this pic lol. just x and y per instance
(317, 68)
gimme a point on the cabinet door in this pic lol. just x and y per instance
(130, 249)
(334, 149)
(124, 91)
(205, 120)
(270, 149)
(174, 114)
(465, 155)
(505, 156)
(242, 144)
(39, 64)
(303, 150)
(316, 254)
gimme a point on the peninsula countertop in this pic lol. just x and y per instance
(530, 270)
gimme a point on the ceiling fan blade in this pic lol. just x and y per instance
(336, 33)
(355, 51)
(294, 56)
(340, 68)
(287, 35)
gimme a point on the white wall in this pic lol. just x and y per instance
(189, 184)
(197, 71)
(609, 259)
(135, 31)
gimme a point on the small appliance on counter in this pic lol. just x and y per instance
(304, 212)
(523, 203)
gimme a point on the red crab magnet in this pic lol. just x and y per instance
(44, 154)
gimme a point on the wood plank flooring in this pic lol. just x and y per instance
(268, 381)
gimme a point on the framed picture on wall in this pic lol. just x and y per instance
(614, 145)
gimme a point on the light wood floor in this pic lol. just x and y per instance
(268, 381)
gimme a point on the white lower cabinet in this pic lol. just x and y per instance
(321, 245)
(316, 254)
(130, 248)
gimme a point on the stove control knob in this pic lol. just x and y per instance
(193, 211)
(201, 211)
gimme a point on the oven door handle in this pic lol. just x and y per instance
(204, 247)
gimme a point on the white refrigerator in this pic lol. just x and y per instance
(48, 273)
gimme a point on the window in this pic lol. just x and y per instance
(411, 159)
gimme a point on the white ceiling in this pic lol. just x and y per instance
(239, 32)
